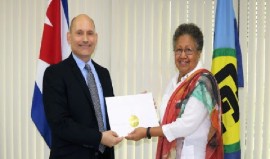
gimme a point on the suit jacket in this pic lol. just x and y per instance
(70, 112)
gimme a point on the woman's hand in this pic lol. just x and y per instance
(137, 134)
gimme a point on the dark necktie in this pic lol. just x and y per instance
(95, 98)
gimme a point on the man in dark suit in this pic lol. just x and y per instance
(68, 102)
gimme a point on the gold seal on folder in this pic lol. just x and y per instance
(133, 121)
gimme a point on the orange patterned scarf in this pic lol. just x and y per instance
(214, 149)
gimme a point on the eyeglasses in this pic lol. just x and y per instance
(187, 51)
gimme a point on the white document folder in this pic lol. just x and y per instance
(129, 112)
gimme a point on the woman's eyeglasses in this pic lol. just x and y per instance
(187, 51)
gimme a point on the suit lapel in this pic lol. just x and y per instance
(78, 75)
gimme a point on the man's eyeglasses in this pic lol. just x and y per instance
(187, 51)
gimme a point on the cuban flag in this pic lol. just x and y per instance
(54, 48)
(227, 68)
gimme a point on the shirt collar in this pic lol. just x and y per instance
(175, 78)
(199, 65)
(81, 63)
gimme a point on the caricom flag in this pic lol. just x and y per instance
(224, 67)
(54, 48)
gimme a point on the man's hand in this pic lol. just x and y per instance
(110, 138)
